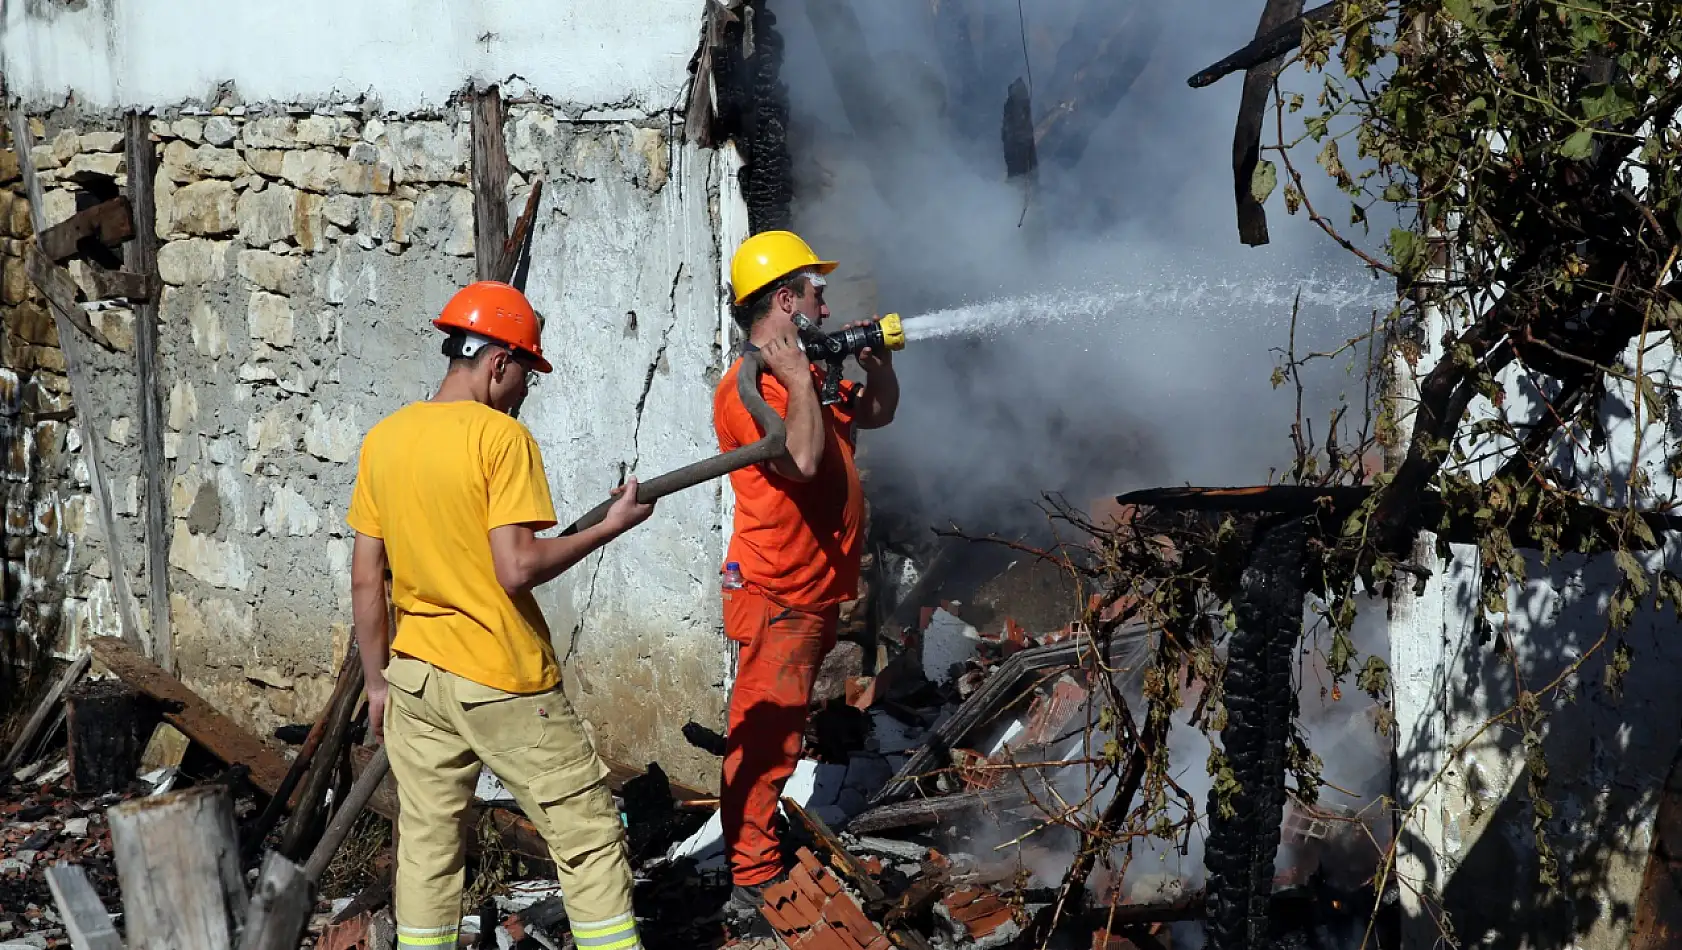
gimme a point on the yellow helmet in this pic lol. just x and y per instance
(769, 255)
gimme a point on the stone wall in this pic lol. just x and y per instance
(45, 490)
(304, 253)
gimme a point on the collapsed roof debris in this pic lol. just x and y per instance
(939, 804)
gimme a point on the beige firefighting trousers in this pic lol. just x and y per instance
(439, 727)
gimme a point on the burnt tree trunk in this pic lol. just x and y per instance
(108, 724)
(1260, 702)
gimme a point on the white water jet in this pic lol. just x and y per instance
(1270, 296)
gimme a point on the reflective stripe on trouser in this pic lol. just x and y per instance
(781, 652)
(426, 936)
(618, 933)
(438, 728)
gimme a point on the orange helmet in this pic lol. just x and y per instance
(498, 312)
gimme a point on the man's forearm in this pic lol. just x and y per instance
(881, 398)
(552, 557)
(372, 625)
(804, 428)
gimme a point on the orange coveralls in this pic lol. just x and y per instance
(798, 544)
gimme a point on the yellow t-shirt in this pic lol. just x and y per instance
(433, 479)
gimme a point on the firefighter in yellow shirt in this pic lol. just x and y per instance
(449, 493)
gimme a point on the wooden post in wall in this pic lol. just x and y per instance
(140, 256)
(178, 863)
(490, 186)
(64, 321)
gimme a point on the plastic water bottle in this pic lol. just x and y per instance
(733, 577)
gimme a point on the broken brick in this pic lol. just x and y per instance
(981, 912)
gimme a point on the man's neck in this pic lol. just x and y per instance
(461, 387)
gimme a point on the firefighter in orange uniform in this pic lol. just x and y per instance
(797, 539)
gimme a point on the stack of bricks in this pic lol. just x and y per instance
(811, 911)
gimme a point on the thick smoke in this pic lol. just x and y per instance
(1166, 390)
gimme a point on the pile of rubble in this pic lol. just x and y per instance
(42, 822)
(924, 815)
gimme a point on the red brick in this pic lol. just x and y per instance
(809, 861)
(830, 884)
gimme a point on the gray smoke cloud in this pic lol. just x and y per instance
(1171, 386)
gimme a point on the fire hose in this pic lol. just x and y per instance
(769, 447)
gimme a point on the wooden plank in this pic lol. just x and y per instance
(80, 387)
(109, 222)
(105, 284)
(280, 907)
(56, 284)
(188, 712)
(490, 186)
(84, 915)
(43, 710)
(304, 827)
(178, 862)
(140, 257)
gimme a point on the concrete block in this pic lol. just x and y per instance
(947, 642)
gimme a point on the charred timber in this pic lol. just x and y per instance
(1269, 46)
(1260, 701)
(1246, 136)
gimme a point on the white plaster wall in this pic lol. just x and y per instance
(628, 282)
(408, 54)
(1462, 769)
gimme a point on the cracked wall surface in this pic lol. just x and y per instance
(304, 253)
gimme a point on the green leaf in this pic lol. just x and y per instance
(1263, 180)
(1604, 101)
(1404, 248)
(1579, 146)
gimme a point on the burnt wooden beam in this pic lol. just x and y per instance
(140, 259)
(109, 223)
(66, 315)
(1246, 136)
(703, 94)
(490, 186)
(1017, 132)
(107, 724)
(1268, 46)
(1094, 72)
